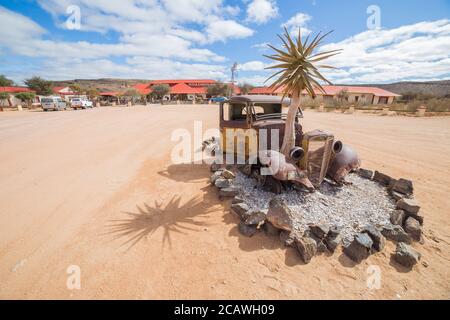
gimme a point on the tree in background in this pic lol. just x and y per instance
(160, 90)
(5, 82)
(40, 86)
(92, 94)
(131, 95)
(342, 96)
(245, 88)
(218, 89)
(26, 97)
(4, 96)
(77, 89)
(299, 71)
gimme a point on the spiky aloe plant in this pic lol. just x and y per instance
(299, 71)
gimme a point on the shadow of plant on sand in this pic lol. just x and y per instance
(175, 216)
(189, 172)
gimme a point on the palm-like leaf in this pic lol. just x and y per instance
(297, 64)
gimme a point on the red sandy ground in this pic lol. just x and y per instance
(96, 189)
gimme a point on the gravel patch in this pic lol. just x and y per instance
(352, 207)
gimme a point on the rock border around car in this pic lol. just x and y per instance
(406, 221)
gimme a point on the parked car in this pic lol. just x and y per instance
(81, 103)
(218, 99)
(53, 103)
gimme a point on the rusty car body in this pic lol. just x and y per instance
(252, 131)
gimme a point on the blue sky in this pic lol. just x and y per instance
(382, 40)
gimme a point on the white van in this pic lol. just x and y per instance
(53, 103)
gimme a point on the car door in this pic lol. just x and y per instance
(236, 133)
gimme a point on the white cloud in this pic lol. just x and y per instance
(59, 59)
(222, 30)
(252, 66)
(256, 80)
(420, 50)
(261, 46)
(261, 11)
(153, 17)
(300, 20)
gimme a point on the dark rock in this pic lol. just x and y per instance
(228, 192)
(403, 186)
(391, 184)
(307, 248)
(334, 231)
(413, 228)
(332, 242)
(245, 169)
(321, 246)
(287, 238)
(397, 217)
(333, 238)
(279, 214)
(364, 173)
(396, 195)
(237, 199)
(382, 178)
(418, 216)
(320, 230)
(227, 174)
(222, 183)
(270, 230)
(406, 255)
(378, 239)
(360, 248)
(247, 230)
(241, 210)
(256, 219)
(409, 205)
(396, 233)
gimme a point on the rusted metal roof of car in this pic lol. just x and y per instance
(260, 98)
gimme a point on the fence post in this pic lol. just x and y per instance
(421, 111)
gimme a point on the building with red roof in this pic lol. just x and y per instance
(15, 89)
(12, 91)
(183, 89)
(354, 94)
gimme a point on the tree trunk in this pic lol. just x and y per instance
(289, 130)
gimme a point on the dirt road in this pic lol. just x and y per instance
(95, 189)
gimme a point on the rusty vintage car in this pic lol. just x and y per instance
(252, 130)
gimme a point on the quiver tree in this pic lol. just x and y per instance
(298, 63)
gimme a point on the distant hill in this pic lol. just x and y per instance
(436, 88)
(101, 84)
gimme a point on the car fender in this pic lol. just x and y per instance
(342, 163)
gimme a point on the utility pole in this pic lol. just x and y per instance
(234, 69)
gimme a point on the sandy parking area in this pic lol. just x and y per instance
(96, 189)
